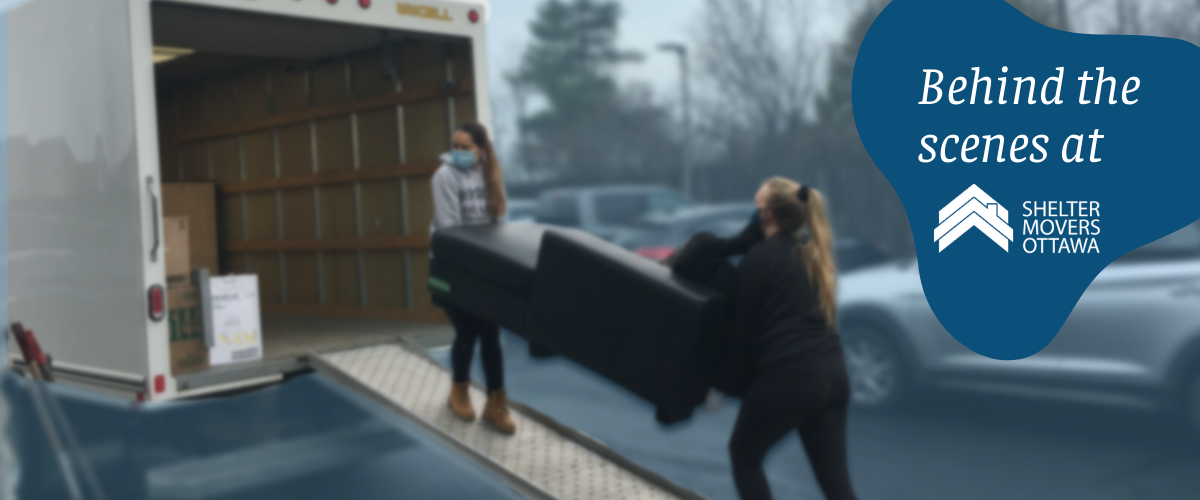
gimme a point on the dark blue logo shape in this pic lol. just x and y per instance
(1131, 177)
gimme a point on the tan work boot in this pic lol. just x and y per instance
(496, 412)
(460, 401)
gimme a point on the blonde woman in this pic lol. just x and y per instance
(469, 189)
(786, 333)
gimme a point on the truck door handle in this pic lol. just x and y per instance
(153, 218)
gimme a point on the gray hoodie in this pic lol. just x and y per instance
(458, 197)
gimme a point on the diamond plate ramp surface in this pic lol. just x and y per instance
(544, 458)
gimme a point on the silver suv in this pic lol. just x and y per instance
(1132, 340)
(605, 211)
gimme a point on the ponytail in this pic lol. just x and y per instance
(817, 255)
(796, 207)
(493, 178)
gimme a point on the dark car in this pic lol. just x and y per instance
(658, 235)
(310, 437)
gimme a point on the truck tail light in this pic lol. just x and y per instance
(160, 384)
(158, 303)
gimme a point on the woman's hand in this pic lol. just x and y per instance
(751, 234)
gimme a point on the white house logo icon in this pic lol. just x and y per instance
(973, 208)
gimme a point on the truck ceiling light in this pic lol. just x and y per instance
(164, 54)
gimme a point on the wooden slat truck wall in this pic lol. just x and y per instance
(323, 171)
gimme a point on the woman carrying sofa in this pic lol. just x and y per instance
(469, 189)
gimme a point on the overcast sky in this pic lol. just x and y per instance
(644, 25)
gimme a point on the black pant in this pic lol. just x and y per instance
(807, 395)
(467, 328)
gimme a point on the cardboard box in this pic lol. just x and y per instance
(175, 243)
(188, 352)
(198, 202)
(237, 326)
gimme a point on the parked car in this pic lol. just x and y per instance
(1132, 340)
(604, 211)
(522, 210)
(311, 437)
(658, 235)
(853, 254)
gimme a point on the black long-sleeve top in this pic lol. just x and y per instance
(778, 314)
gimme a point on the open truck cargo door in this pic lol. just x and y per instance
(318, 125)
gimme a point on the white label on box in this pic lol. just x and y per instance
(237, 328)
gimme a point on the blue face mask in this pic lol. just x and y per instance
(464, 160)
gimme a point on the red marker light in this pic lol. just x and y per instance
(160, 382)
(473, 16)
(331, 2)
(366, 4)
(157, 303)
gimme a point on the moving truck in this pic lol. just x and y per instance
(318, 122)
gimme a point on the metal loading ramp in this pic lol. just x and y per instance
(543, 460)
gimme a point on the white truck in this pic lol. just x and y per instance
(319, 122)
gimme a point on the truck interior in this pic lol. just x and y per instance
(319, 140)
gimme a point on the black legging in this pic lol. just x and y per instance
(808, 395)
(467, 328)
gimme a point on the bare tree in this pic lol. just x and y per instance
(1169, 18)
(757, 58)
(779, 103)
(764, 72)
